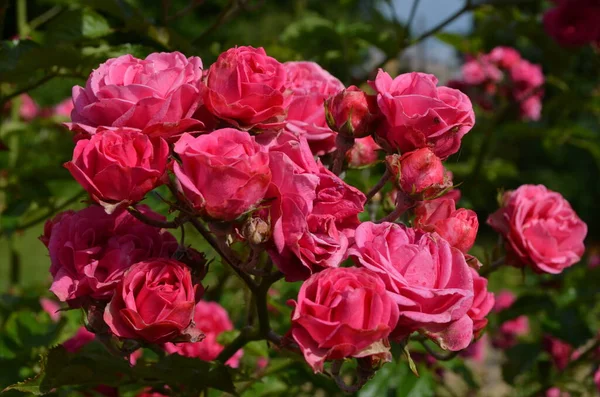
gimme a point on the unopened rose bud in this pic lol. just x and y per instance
(256, 231)
(419, 173)
(352, 113)
(363, 153)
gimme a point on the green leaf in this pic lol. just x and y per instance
(411, 363)
(78, 24)
(28, 330)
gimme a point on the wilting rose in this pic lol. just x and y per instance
(352, 113)
(119, 167)
(419, 173)
(505, 57)
(540, 229)
(223, 174)
(458, 227)
(340, 313)
(573, 23)
(90, 250)
(310, 86)
(155, 302)
(419, 114)
(212, 319)
(363, 153)
(429, 280)
(483, 302)
(162, 90)
(246, 88)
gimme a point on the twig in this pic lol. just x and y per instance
(380, 184)
(411, 16)
(45, 17)
(403, 204)
(186, 10)
(466, 7)
(492, 267)
(28, 88)
(174, 224)
(229, 9)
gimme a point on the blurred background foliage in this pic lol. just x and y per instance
(50, 45)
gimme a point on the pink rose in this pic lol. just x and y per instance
(310, 86)
(480, 70)
(363, 153)
(90, 250)
(340, 313)
(458, 227)
(155, 302)
(477, 350)
(223, 174)
(429, 280)
(483, 302)
(505, 57)
(526, 77)
(559, 351)
(118, 168)
(246, 88)
(504, 300)
(556, 392)
(81, 338)
(162, 90)
(419, 114)
(64, 108)
(597, 379)
(511, 329)
(51, 307)
(531, 108)
(573, 23)
(419, 173)
(352, 113)
(540, 229)
(212, 319)
(29, 110)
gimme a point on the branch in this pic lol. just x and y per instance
(403, 204)
(466, 7)
(28, 88)
(384, 178)
(492, 267)
(229, 9)
(174, 224)
(411, 16)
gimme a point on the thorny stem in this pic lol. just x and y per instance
(380, 184)
(156, 222)
(403, 204)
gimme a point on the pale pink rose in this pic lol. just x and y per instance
(531, 108)
(429, 280)
(90, 250)
(341, 313)
(212, 319)
(364, 152)
(420, 115)
(29, 110)
(353, 113)
(160, 92)
(310, 86)
(505, 57)
(223, 174)
(573, 23)
(154, 302)
(51, 307)
(483, 302)
(246, 88)
(64, 108)
(540, 229)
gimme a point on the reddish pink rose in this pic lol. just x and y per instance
(597, 379)
(64, 108)
(458, 227)
(155, 302)
(559, 351)
(340, 313)
(223, 174)
(90, 250)
(429, 280)
(352, 112)
(526, 77)
(419, 173)
(212, 319)
(364, 152)
(505, 57)
(480, 70)
(540, 229)
(310, 86)
(162, 90)
(483, 302)
(573, 23)
(80, 339)
(246, 88)
(419, 114)
(118, 168)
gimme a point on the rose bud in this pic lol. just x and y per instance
(256, 231)
(118, 168)
(155, 302)
(420, 173)
(429, 280)
(352, 113)
(483, 302)
(540, 229)
(223, 174)
(341, 313)
(363, 153)
(246, 88)
(161, 91)
(212, 319)
(458, 227)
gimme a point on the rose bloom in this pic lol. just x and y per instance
(119, 167)
(162, 90)
(526, 77)
(419, 114)
(480, 70)
(212, 319)
(310, 86)
(29, 110)
(223, 174)
(573, 23)
(597, 379)
(340, 313)
(90, 250)
(483, 302)
(64, 108)
(511, 329)
(458, 227)
(246, 88)
(429, 280)
(155, 302)
(363, 153)
(559, 351)
(540, 229)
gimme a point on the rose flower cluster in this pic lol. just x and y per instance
(503, 75)
(252, 151)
